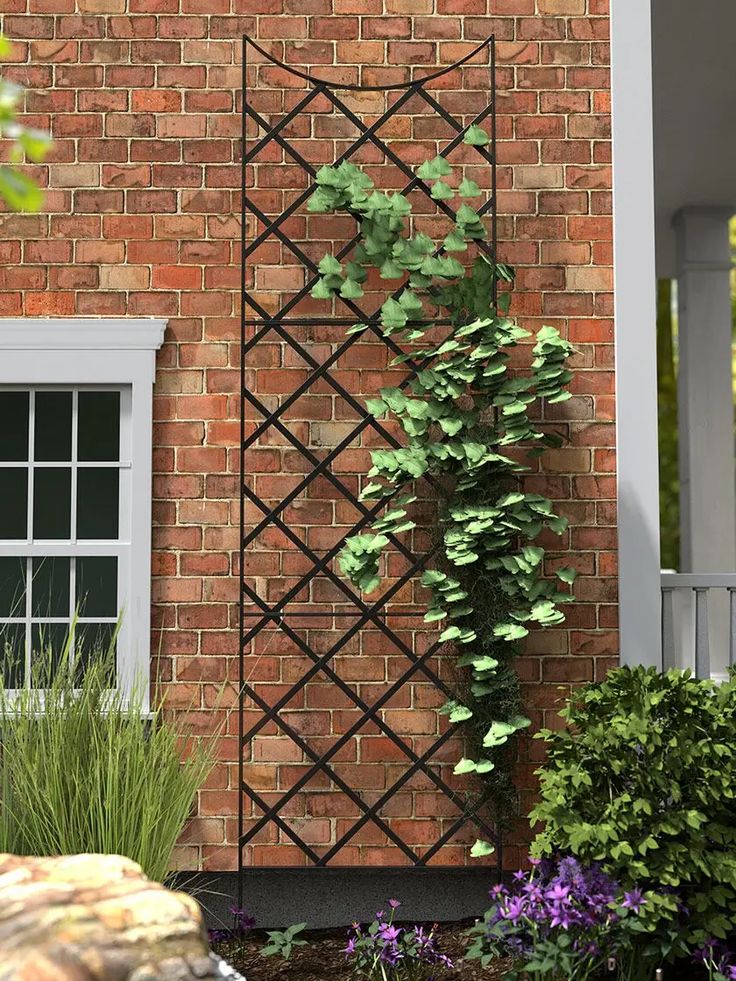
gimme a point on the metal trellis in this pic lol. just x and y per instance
(350, 609)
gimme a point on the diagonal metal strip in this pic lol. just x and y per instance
(274, 133)
(455, 124)
(321, 765)
(321, 371)
(321, 469)
(370, 712)
(280, 823)
(273, 516)
(372, 615)
(372, 811)
(370, 715)
(305, 195)
(464, 818)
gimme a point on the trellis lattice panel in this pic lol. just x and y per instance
(344, 757)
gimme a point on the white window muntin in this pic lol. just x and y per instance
(72, 547)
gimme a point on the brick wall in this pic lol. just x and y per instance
(141, 220)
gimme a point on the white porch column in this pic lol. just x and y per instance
(636, 335)
(705, 393)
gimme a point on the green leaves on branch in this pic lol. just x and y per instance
(459, 409)
(643, 780)
(359, 560)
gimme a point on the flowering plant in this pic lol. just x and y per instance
(561, 920)
(243, 923)
(392, 953)
(717, 959)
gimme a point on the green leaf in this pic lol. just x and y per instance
(392, 270)
(567, 574)
(476, 136)
(432, 169)
(481, 849)
(498, 734)
(19, 191)
(451, 633)
(468, 189)
(441, 191)
(351, 290)
(321, 291)
(461, 714)
(329, 266)
(510, 631)
(393, 314)
(376, 407)
(454, 242)
(465, 766)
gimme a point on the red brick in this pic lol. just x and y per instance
(149, 211)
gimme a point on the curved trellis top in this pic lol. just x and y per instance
(311, 611)
(489, 44)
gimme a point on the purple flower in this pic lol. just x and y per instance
(558, 893)
(633, 900)
(389, 933)
(514, 908)
(391, 955)
(394, 903)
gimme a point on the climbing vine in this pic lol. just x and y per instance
(465, 416)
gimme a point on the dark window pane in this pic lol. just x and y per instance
(97, 502)
(97, 586)
(12, 587)
(50, 592)
(96, 643)
(98, 434)
(53, 431)
(12, 654)
(13, 426)
(52, 502)
(14, 502)
(48, 651)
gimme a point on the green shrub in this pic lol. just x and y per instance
(644, 781)
(83, 769)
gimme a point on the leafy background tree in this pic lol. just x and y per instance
(669, 481)
(17, 190)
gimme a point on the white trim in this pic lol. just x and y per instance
(636, 338)
(118, 352)
(77, 334)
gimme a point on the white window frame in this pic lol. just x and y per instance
(112, 353)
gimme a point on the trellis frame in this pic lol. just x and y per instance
(256, 319)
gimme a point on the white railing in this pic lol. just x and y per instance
(699, 622)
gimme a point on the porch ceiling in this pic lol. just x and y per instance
(694, 111)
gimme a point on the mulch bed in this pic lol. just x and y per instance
(323, 960)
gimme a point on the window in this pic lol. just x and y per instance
(65, 465)
(75, 476)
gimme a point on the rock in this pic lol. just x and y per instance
(96, 918)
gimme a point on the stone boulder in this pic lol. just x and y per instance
(96, 918)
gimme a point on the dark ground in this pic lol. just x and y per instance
(323, 959)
